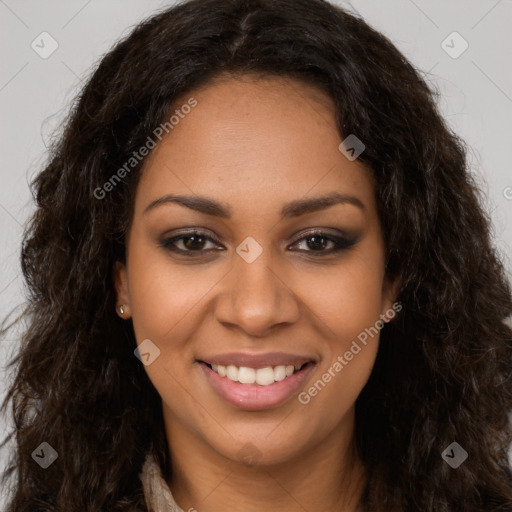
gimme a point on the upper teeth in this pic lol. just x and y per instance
(262, 376)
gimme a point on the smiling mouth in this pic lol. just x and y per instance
(256, 389)
(259, 376)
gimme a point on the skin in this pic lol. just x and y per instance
(254, 145)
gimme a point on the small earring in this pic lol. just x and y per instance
(121, 309)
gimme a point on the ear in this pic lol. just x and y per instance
(390, 290)
(121, 286)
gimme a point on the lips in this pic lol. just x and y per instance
(257, 361)
(249, 395)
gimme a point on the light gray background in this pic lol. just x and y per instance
(476, 93)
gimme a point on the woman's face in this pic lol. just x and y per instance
(254, 287)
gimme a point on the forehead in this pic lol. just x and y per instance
(253, 142)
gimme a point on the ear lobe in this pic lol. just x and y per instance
(121, 283)
(390, 292)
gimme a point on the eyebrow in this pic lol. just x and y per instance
(292, 209)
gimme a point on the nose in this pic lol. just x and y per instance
(256, 297)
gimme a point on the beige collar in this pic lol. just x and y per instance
(156, 491)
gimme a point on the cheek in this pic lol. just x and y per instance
(349, 355)
(349, 305)
(166, 298)
(348, 298)
(166, 308)
(351, 312)
(166, 304)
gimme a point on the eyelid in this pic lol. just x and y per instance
(342, 241)
(186, 232)
(322, 231)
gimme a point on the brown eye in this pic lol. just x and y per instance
(316, 242)
(194, 242)
(319, 242)
(190, 243)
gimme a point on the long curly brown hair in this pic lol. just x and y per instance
(444, 368)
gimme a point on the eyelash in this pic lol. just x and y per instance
(340, 243)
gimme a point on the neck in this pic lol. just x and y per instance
(328, 476)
